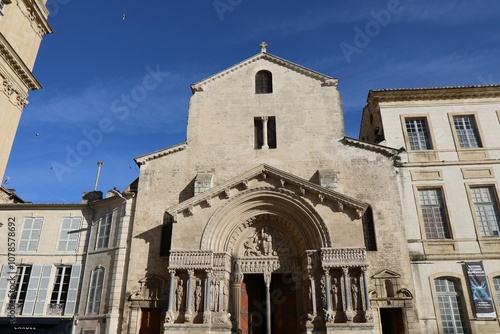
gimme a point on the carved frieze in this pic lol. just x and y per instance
(341, 257)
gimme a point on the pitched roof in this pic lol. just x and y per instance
(324, 79)
(160, 153)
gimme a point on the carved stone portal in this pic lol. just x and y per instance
(266, 241)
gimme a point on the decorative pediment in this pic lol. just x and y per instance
(386, 274)
(323, 79)
(281, 181)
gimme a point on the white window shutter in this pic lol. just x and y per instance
(4, 284)
(29, 302)
(41, 300)
(73, 289)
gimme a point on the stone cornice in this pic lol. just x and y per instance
(286, 179)
(324, 79)
(384, 150)
(17, 65)
(37, 13)
(434, 93)
(161, 153)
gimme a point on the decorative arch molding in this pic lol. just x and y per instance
(222, 228)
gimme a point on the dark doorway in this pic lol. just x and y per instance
(283, 304)
(150, 321)
(392, 320)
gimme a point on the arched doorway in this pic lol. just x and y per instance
(267, 264)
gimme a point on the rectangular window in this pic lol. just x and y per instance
(30, 235)
(95, 291)
(496, 284)
(418, 134)
(467, 132)
(433, 213)
(60, 291)
(486, 208)
(18, 295)
(265, 132)
(68, 238)
(104, 231)
(450, 306)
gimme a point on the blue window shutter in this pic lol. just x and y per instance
(29, 302)
(4, 284)
(73, 289)
(41, 300)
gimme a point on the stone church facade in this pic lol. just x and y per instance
(268, 219)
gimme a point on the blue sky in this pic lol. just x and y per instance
(116, 89)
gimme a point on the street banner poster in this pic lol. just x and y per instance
(483, 303)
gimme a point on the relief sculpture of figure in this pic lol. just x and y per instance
(179, 293)
(225, 293)
(354, 291)
(197, 296)
(267, 242)
(335, 294)
(251, 246)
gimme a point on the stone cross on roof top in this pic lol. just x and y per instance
(263, 46)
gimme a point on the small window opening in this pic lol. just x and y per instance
(263, 82)
(265, 132)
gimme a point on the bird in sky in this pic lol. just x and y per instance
(124, 16)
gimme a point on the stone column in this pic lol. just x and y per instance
(169, 318)
(329, 316)
(264, 132)
(207, 314)
(313, 295)
(267, 281)
(189, 297)
(347, 291)
(236, 298)
(368, 311)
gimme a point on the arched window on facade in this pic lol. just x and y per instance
(95, 290)
(263, 82)
(369, 230)
(450, 303)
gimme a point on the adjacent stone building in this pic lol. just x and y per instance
(268, 219)
(448, 174)
(23, 23)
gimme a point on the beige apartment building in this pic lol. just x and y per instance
(63, 265)
(23, 23)
(268, 219)
(448, 174)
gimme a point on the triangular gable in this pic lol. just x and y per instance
(384, 150)
(324, 79)
(386, 274)
(306, 187)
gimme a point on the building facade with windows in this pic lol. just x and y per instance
(268, 219)
(449, 169)
(63, 265)
(23, 23)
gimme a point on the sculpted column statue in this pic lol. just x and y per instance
(312, 299)
(335, 294)
(355, 294)
(197, 295)
(179, 295)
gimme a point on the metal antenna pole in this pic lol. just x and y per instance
(99, 165)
